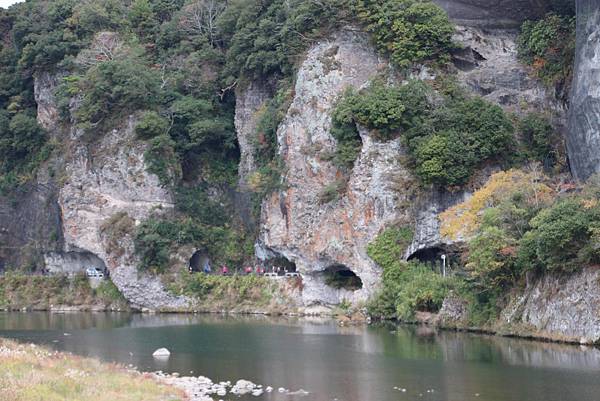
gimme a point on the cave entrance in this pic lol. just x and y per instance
(341, 277)
(433, 257)
(74, 262)
(279, 265)
(200, 262)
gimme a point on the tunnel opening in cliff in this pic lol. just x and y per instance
(432, 257)
(279, 264)
(200, 261)
(341, 277)
(73, 262)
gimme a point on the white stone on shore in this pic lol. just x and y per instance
(243, 387)
(161, 353)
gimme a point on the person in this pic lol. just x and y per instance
(207, 268)
(248, 270)
(225, 270)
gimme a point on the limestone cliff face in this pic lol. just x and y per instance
(296, 223)
(583, 140)
(493, 13)
(249, 102)
(103, 178)
(317, 237)
(563, 308)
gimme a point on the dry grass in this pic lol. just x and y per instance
(33, 373)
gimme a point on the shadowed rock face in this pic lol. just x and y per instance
(493, 13)
(583, 140)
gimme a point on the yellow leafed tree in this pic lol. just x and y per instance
(462, 220)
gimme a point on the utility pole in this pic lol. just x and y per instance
(444, 265)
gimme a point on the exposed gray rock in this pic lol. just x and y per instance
(488, 67)
(564, 308)
(44, 85)
(454, 312)
(493, 13)
(583, 139)
(72, 262)
(107, 178)
(295, 223)
(249, 102)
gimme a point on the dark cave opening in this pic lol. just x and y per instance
(340, 277)
(279, 264)
(200, 262)
(436, 257)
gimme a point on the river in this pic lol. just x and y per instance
(328, 361)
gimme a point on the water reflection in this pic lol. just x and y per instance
(344, 363)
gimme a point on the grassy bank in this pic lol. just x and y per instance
(29, 372)
(235, 293)
(19, 291)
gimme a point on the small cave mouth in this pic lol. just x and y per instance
(279, 264)
(437, 258)
(340, 277)
(200, 262)
(72, 262)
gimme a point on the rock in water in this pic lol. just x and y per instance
(161, 353)
(243, 387)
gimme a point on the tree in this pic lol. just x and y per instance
(200, 18)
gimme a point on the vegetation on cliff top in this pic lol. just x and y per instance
(448, 137)
(548, 46)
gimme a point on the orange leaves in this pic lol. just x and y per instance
(462, 220)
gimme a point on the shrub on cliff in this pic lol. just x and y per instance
(540, 141)
(408, 288)
(548, 45)
(564, 237)
(410, 31)
(448, 137)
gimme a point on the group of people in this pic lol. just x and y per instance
(258, 270)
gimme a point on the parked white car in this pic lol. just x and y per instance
(94, 272)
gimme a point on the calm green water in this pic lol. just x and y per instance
(347, 364)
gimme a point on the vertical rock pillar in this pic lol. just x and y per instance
(583, 140)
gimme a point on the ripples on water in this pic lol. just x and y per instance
(331, 362)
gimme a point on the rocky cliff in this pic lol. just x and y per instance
(325, 237)
(583, 140)
(101, 179)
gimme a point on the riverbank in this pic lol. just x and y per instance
(20, 292)
(30, 373)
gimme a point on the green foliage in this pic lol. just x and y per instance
(447, 138)
(264, 38)
(408, 288)
(112, 88)
(455, 138)
(410, 31)
(108, 291)
(151, 125)
(542, 143)
(548, 45)
(387, 250)
(564, 237)
(153, 242)
(234, 290)
(269, 119)
(18, 291)
(162, 160)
